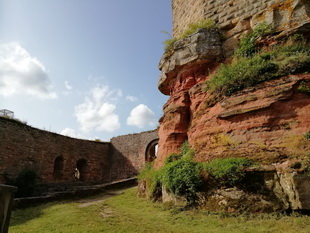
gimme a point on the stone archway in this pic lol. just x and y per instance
(151, 151)
(58, 168)
(81, 169)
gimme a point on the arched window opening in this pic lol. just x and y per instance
(81, 168)
(151, 151)
(58, 168)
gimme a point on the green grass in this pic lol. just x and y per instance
(192, 28)
(261, 66)
(127, 213)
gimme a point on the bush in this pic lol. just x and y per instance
(227, 171)
(187, 151)
(151, 177)
(182, 177)
(247, 45)
(172, 157)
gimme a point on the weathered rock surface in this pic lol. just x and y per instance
(266, 122)
(202, 47)
(260, 191)
(285, 15)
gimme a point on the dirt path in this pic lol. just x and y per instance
(95, 200)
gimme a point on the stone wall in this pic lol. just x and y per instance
(134, 146)
(226, 13)
(24, 147)
(55, 157)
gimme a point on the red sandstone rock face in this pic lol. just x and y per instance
(265, 122)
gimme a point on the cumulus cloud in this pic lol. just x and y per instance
(71, 133)
(20, 73)
(141, 116)
(96, 112)
(131, 98)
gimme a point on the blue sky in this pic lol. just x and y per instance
(83, 68)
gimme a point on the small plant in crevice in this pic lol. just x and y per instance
(303, 88)
(307, 136)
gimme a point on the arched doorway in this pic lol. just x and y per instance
(58, 168)
(151, 151)
(81, 167)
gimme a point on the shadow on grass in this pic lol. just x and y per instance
(21, 216)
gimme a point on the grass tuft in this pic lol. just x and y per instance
(192, 28)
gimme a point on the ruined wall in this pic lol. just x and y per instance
(54, 157)
(226, 13)
(24, 147)
(134, 146)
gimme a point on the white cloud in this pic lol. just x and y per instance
(141, 116)
(22, 74)
(96, 112)
(68, 86)
(131, 98)
(71, 133)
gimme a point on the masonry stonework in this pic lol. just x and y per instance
(135, 148)
(55, 157)
(226, 13)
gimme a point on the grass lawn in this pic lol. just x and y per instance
(127, 213)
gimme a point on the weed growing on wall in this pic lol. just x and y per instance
(192, 28)
(307, 136)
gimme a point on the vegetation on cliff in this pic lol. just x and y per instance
(192, 28)
(252, 65)
(182, 176)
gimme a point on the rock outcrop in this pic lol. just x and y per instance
(265, 123)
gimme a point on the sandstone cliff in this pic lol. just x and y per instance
(265, 122)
